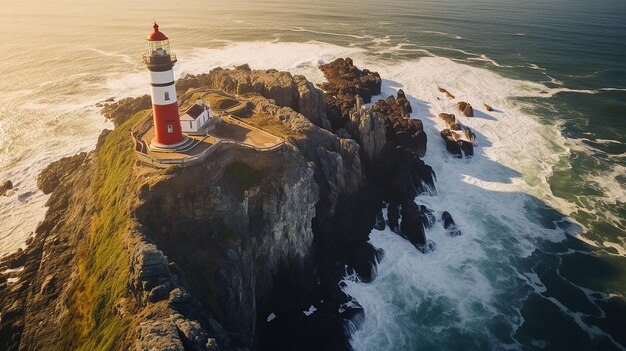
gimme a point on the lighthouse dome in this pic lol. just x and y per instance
(156, 35)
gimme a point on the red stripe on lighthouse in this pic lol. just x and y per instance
(167, 124)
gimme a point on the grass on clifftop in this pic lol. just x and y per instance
(103, 258)
(271, 125)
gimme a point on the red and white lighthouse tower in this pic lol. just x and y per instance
(160, 62)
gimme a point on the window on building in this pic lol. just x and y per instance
(170, 129)
(190, 125)
(167, 95)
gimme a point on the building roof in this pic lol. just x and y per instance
(156, 35)
(195, 111)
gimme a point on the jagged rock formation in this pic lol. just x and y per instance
(406, 133)
(197, 258)
(458, 138)
(283, 88)
(465, 109)
(344, 82)
(368, 127)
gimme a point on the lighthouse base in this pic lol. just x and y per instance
(179, 146)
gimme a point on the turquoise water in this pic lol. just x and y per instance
(541, 264)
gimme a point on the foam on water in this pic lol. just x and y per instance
(499, 200)
(466, 289)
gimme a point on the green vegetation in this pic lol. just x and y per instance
(103, 259)
(220, 102)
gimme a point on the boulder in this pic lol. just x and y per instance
(449, 118)
(465, 109)
(452, 144)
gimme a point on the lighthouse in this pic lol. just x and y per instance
(160, 63)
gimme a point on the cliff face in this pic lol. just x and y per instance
(198, 258)
(227, 230)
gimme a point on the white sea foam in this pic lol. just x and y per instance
(496, 198)
(468, 281)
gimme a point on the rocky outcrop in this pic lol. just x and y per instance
(344, 81)
(216, 248)
(5, 187)
(407, 134)
(53, 175)
(344, 78)
(459, 139)
(465, 109)
(283, 88)
(120, 111)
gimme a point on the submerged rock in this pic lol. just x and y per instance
(446, 92)
(5, 187)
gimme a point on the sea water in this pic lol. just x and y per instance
(540, 264)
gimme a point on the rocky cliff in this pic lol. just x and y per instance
(230, 253)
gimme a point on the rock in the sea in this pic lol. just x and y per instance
(449, 225)
(414, 221)
(467, 148)
(469, 135)
(452, 144)
(465, 109)
(6, 186)
(449, 118)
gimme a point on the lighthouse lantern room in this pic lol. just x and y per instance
(160, 63)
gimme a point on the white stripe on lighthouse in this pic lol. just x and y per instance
(163, 95)
(161, 77)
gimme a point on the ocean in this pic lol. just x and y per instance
(541, 263)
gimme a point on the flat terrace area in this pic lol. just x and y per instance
(229, 129)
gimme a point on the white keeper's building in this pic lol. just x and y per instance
(197, 119)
